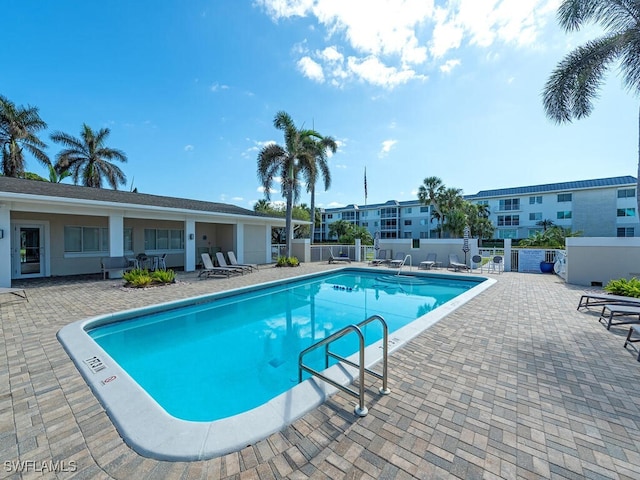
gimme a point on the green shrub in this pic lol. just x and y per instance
(287, 262)
(140, 278)
(622, 286)
(164, 276)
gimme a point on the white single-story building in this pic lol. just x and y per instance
(53, 229)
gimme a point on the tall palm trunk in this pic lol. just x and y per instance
(313, 214)
(289, 213)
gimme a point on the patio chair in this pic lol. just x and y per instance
(210, 270)
(496, 264)
(381, 258)
(234, 262)
(222, 262)
(477, 261)
(334, 259)
(456, 264)
(397, 262)
(430, 262)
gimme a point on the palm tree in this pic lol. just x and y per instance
(18, 129)
(262, 206)
(287, 162)
(88, 158)
(545, 224)
(450, 202)
(319, 164)
(576, 81)
(428, 194)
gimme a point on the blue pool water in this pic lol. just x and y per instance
(219, 358)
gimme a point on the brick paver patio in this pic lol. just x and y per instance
(514, 384)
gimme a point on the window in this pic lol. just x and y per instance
(626, 232)
(407, 222)
(564, 215)
(415, 243)
(407, 234)
(128, 240)
(508, 220)
(424, 234)
(535, 216)
(424, 209)
(564, 197)
(534, 200)
(389, 224)
(329, 215)
(86, 239)
(626, 212)
(407, 210)
(365, 224)
(163, 239)
(510, 204)
(533, 231)
(508, 233)
(627, 193)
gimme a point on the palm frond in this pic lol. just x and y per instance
(574, 84)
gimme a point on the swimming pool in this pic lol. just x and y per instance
(193, 394)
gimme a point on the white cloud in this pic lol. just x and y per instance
(375, 72)
(387, 145)
(335, 205)
(188, 148)
(216, 87)
(391, 42)
(311, 69)
(449, 65)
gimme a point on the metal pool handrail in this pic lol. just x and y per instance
(361, 410)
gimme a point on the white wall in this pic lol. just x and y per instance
(597, 260)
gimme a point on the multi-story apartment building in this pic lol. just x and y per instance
(604, 207)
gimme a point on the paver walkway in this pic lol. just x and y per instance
(514, 384)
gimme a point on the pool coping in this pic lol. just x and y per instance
(152, 432)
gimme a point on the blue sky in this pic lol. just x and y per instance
(408, 88)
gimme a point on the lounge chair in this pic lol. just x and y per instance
(210, 270)
(617, 311)
(597, 299)
(381, 258)
(234, 262)
(222, 262)
(430, 262)
(456, 264)
(334, 259)
(397, 262)
(634, 329)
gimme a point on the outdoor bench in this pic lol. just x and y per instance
(113, 264)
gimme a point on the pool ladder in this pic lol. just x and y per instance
(360, 409)
(404, 262)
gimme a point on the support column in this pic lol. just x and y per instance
(189, 245)
(116, 235)
(267, 257)
(116, 240)
(239, 247)
(5, 246)
(507, 254)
